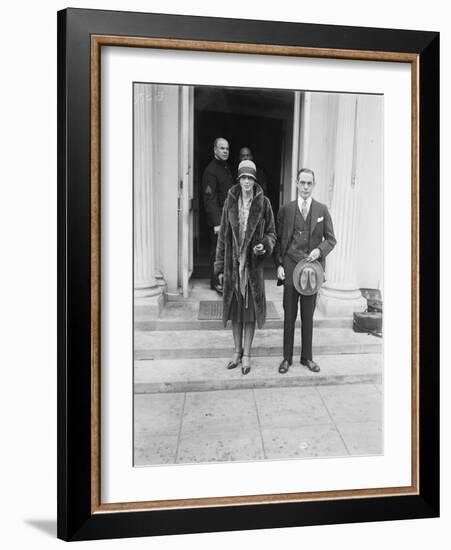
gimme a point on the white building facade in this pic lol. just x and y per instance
(338, 136)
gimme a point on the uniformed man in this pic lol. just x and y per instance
(216, 182)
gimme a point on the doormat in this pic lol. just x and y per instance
(211, 310)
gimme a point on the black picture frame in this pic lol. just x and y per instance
(77, 520)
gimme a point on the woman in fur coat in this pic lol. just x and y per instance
(246, 236)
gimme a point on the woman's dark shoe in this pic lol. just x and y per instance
(235, 361)
(245, 365)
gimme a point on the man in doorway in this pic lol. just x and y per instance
(216, 182)
(304, 231)
(246, 154)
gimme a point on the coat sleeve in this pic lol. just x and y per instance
(269, 239)
(210, 195)
(220, 245)
(329, 236)
(277, 256)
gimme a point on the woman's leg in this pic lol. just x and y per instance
(237, 331)
(249, 331)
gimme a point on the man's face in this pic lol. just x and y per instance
(245, 154)
(305, 185)
(222, 149)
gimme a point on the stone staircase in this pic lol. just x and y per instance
(189, 344)
(177, 352)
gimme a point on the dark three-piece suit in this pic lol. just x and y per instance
(296, 238)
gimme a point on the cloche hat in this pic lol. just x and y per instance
(247, 168)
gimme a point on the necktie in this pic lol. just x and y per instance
(304, 210)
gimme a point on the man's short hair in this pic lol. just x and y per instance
(309, 171)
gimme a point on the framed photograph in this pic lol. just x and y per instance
(248, 274)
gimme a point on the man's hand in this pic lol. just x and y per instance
(221, 279)
(216, 229)
(259, 250)
(314, 255)
(281, 273)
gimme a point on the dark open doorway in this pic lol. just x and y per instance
(255, 118)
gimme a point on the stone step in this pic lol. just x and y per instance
(184, 375)
(177, 344)
(165, 324)
(200, 290)
(182, 314)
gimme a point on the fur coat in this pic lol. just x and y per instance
(260, 229)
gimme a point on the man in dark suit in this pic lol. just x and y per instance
(216, 182)
(304, 230)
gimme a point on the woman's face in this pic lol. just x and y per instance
(247, 183)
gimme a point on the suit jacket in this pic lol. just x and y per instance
(322, 230)
(216, 182)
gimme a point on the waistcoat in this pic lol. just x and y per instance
(300, 242)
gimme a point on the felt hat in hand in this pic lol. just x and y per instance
(308, 277)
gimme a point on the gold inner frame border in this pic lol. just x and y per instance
(97, 41)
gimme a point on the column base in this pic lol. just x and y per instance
(149, 301)
(340, 302)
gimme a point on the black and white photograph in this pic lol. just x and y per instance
(258, 245)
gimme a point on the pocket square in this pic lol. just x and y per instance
(320, 219)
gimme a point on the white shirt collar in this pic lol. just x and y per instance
(308, 201)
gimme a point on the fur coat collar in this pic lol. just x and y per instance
(255, 215)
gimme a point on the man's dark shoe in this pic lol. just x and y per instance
(284, 366)
(310, 364)
(218, 289)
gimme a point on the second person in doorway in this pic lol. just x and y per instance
(246, 237)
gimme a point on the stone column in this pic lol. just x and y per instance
(340, 295)
(147, 281)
